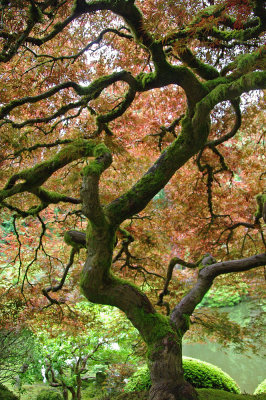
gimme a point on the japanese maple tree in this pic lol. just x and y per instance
(103, 104)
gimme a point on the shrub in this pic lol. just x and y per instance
(49, 394)
(6, 394)
(204, 375)
(199, 373)
(261, 388)
(224, 296)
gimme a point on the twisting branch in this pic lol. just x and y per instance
(211, 172)
(164, 130)
(174, 261)
(5, 110)
(235, 103)
(206, 276)
(129, 258)
(205, 71)
(18, 211)
(60, 112)
(75, 239)
(119, 109)
(56, 288)
(33, 178)
(90, 187)
(18, 255)
(74, 57)
(35, 147)
(127, 239)
(230, 36)
(39, 246)
(88, 93)
(230, 230)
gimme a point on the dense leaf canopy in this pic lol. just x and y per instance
(156, 106)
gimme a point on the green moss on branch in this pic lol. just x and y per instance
(33, 178)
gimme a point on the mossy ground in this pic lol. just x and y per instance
(211, 394)
(30, 392)
(204, 394)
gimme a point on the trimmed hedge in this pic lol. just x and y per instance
(49, 394)
(199, 373)
(6, 394)
(261, 388)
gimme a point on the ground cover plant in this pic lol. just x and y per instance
(130, 151)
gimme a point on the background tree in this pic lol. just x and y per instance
(17, 352)
(93, 88)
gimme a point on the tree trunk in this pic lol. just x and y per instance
(159, 333)
(101, 286)
(79, 383)
(65, 394)
(172, 391)
(73, 393)
(165, 363)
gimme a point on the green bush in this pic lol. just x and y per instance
(6, 394)
(204, 375)
(225, 296)
(49, 394)
(261, 388)
(215, 394)
(199, 373)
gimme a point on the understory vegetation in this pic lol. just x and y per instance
(200, 374)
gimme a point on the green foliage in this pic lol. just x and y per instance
(199, 373)
(49, 394)
(6, 228)
(215, 394)
(261, 388)
(19, 356)
(224, 296)
(93, 392)
(6, 394)
(139, 381)
(97, 345)
(204, 394)
(204, 375)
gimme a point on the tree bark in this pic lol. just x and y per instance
(162, 335)
(165, 363)
(172, 391)
(162, 339)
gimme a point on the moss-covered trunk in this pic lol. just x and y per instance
(164, 358)
(162, 335)
(159, 333)
(165, 363)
